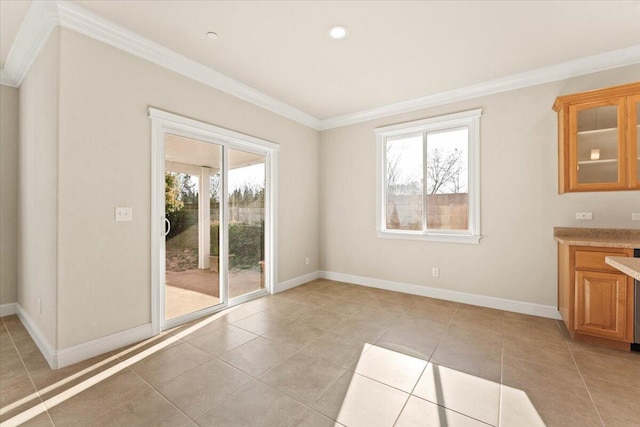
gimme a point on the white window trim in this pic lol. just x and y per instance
(470, 119)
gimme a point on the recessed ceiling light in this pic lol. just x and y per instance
(338, 32)
(212, 35)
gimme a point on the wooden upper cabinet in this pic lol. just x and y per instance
(633, 148)
(598, 145)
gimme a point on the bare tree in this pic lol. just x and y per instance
(444, 170)
(393, 169)
(214, 187)
(399, 181)
(398, 178)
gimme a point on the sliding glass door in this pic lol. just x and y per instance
(246, 201)
(193, 173)
(212, 220)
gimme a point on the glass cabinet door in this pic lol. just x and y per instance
(598, 148)
(599, 139)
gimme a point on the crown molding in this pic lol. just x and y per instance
(40, 21)
(82, 21)
(5, 80)
(44, 16)
(591, 64)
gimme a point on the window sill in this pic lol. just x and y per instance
(430, 237)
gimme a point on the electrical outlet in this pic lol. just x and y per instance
(306, 260)
(635, 216)
(435, 272)
(584, 215)
(40, 305)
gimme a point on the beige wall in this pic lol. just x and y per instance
(8, 194)
(516, 258)
(38, 165)
(105, 158)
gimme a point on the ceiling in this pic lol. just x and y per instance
(191, 152)
(395, 51)
(11, 15)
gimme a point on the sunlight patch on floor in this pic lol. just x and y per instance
(391, 388)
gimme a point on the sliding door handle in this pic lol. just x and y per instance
(167, 226)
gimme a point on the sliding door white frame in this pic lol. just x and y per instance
(163, 123)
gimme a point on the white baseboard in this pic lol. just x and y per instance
(77, 353)
(8, 309)
(462, 297)
(47, 350)
(297, 281)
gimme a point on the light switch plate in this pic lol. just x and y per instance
(584, 215)
(635, 216)
(124, 214)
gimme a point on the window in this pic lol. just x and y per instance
(428, 179)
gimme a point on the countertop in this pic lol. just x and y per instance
(630, 266)
(602, 237)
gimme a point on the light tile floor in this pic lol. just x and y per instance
(332, 354)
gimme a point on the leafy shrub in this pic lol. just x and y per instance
(246, 243)
(181, 219)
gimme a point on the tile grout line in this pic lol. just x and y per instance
(589, 349)
(253, 380)
(306, 354)
(426, 366)
(452, 410)
(307, 406)
(157, 391)
(444, 332)
(585, 384)
(235, 348)
(128, 368)
(412, 390)
(411, 394)
(27, 371)
(404, 405)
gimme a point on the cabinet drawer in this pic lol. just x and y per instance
(588, 260)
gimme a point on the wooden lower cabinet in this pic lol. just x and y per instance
(594, 299)
(602, 301)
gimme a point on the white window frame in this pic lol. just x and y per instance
(469, 119)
